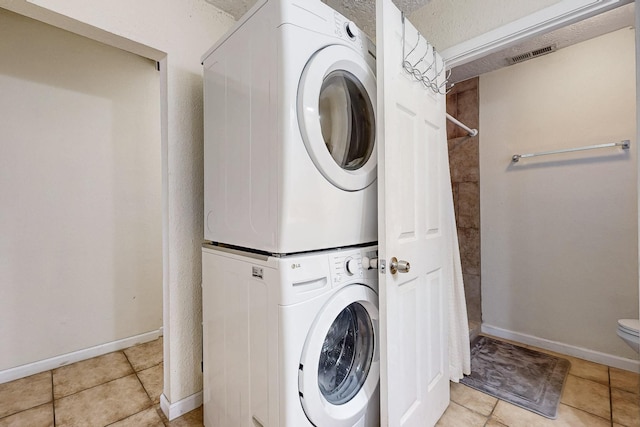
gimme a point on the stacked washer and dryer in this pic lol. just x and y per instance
(290, 304)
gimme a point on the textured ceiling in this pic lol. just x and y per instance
(362, 12)
(621, 17)
(237, 8)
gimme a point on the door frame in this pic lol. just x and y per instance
(561, 14)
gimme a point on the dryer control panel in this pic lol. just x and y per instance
(348, 30)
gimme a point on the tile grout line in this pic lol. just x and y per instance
(94, 386)
(53, 400)
(585, 411)
(492, 411)
(610, 397)
(128, 416)
(138, 378)
(142, 385)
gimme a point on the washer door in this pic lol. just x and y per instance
(337, 116)
(340, 365)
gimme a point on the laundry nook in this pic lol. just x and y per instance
(319, 213)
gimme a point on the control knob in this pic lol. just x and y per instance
(351, 29)
(351, 266)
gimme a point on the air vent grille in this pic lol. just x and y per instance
(533, 54)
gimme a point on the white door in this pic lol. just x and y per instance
(413, 227)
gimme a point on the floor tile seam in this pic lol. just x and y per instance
(493, 410)
(141, 369)
(128, 416)
(487, 422)
(82, 362)
(144, 388)
(152, 366)
(587, 412)
(162, 416)
(475, 411)
(128, 360)
(610, 397)
(636, 393)
(36, 405)
(94, 386)
(587, 379)
(25, 410)
(53, 399)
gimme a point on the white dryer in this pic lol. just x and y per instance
(290, 142)
(290, 341)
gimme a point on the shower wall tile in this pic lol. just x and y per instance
(452, 109)
(471, 84)
(473, 297)
(468, 107)
(464, 159)
(468, 215)
(470, 250)
(463, 103)
(455, 190)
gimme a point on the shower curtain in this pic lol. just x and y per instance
(459, 349)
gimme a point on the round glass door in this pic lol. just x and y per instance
(346, 355)
(347, 121)
(339, 367)
(337, 119)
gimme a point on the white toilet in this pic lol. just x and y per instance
(628, 330)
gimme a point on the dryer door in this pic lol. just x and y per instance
(336, 115)
(340, 368)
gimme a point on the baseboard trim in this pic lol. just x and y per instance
(76, 356)
(181, 407)
(558, 347)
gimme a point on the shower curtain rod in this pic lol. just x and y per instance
(471, 132)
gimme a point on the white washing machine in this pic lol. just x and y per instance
(290, 142)
(290, 341)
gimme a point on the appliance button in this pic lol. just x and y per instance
(351, 30)
(351, 266)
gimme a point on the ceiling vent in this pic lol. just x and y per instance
(533, 54)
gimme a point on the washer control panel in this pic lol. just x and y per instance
(351, 265)
(346, 267)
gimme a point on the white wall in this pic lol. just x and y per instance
(559, 233)
(80, 184)
(176, 32)
(447, 23)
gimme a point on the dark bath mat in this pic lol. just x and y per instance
(524, 377)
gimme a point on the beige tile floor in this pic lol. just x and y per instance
(122, 389)
(594, 395)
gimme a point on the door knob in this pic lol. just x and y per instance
(399, 266)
